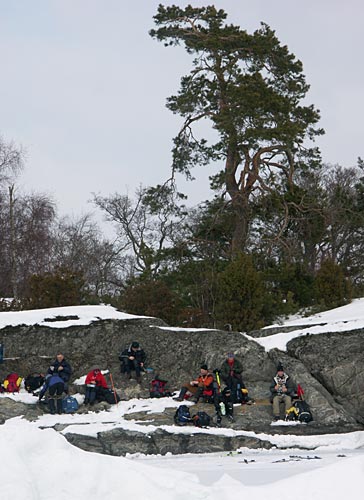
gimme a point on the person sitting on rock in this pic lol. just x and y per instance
(204, 383)
(133, 359)
(224, 406)
(231, 374)
(63, 368)
(282, 389)
(54, 385)
(94, 384)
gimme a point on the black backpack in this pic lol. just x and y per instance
(201, 419)
(182, 415)
(300, 410)
(304, 411)
(107, 395)
(33, 382)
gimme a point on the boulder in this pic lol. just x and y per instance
(336, 362)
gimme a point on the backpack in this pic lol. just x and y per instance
(182, 415)
(33, 382)
(240, 395)
(158, 389)
(109, 396)
(69, 404)
(300, 410)
(201, 419)
(12, 382)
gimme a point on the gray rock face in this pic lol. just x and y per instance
(120, 442)
(10, 409)
(329, 367)
(336, 362)
(174, 355)
(324, 407)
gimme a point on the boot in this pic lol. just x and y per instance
(51, 406)
(92, 396)
(181, 394)
(59, 406)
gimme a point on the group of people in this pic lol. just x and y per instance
(96, 387)
(56, 379)
(208, 383)
(206, 386)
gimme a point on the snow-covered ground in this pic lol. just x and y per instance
(341, 319)
(39, 464)
(83, 315)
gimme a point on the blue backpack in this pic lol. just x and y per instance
(69, 404)
(182, 415)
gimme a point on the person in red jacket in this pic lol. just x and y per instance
(94, 383)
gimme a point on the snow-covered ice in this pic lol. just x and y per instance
(39, 464)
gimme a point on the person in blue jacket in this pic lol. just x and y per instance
(54, 385)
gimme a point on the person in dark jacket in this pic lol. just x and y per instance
(133, 359)
(282, 389)
(63, 368)
(231, 372)
(54, 385)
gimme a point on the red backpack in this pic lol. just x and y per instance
(12, 382)
(158, 389)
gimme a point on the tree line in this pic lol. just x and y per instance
(281, 231)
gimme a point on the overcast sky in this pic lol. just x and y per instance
(83, 87)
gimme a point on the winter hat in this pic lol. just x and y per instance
(280, 367)
(204, 367)
(230, 355)
(135, 344)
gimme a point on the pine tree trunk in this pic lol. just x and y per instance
(240, 203)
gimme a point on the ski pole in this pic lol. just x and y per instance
(218, 381)
(113, 388)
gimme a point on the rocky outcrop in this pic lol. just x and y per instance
(329, 367)
(10, 409)
(335, 362)
(175, 355)
(120, 442)
(324, 407)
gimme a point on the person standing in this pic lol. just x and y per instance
(54, 385)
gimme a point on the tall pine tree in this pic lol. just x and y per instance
(250, 87)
